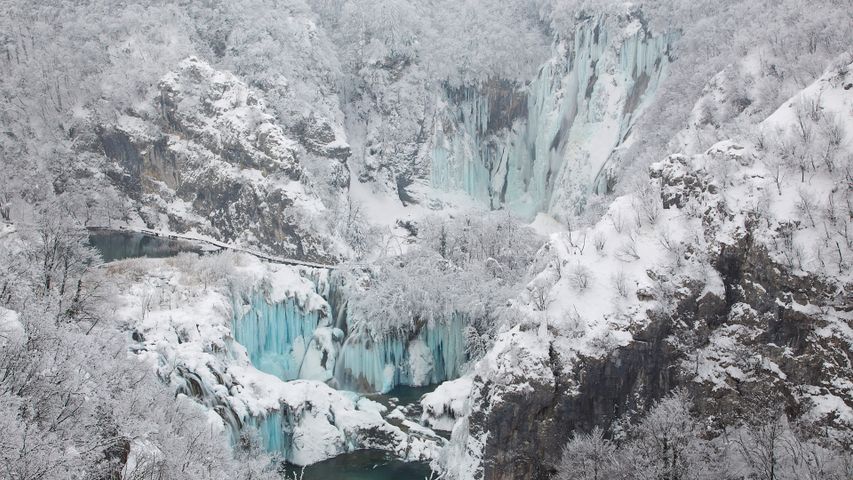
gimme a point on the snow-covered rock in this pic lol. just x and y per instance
(207, 155)
(444, 405)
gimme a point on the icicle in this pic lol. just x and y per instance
(369, 365)
(275, 335)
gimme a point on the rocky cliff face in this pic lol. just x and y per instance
(745, 356)
(207, 156)
(700, 281)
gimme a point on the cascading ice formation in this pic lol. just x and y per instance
(290, 338)
(261, 354)
(291, 341)
(550, 153)
(272, 431)
(275, 335)
(435, 354)
(469, 142)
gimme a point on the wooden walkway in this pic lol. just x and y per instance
(214, 243)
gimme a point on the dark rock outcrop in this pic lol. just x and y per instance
(213, 160)
(756, 333)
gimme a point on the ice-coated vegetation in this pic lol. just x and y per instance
(75, 405)
(462, 267)
(668, 443)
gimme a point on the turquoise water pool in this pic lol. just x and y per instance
(113, 245)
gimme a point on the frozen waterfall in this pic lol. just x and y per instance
(278, 335)
(552, 152)
(435, 354)
(303, 336)
(290, 341)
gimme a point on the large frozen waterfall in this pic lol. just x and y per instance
(289, 336)
(546, 146)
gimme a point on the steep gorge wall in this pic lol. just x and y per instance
(750, 337)
(526, 432)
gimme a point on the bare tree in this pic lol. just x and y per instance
(628, 252)
(600, 241)
(580, 277)
(776, 166)
(666, 433)
(807, 206)
(587, 456)
(761, 444)
(620, 283)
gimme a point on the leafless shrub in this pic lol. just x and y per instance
(647, 201)
(807, 206)
(831, 211)
(675, 248)
(617, 221)
(807, 112)
(145, 304)
(760, 140)
(843, 229)
(819, 254)
(620, 283)
(627, 252)
(795, 256)
(539, 296)
(833, 130)
(600, 241)
(841, 264)
(693, 208)
(580, 277)
(775, 163)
